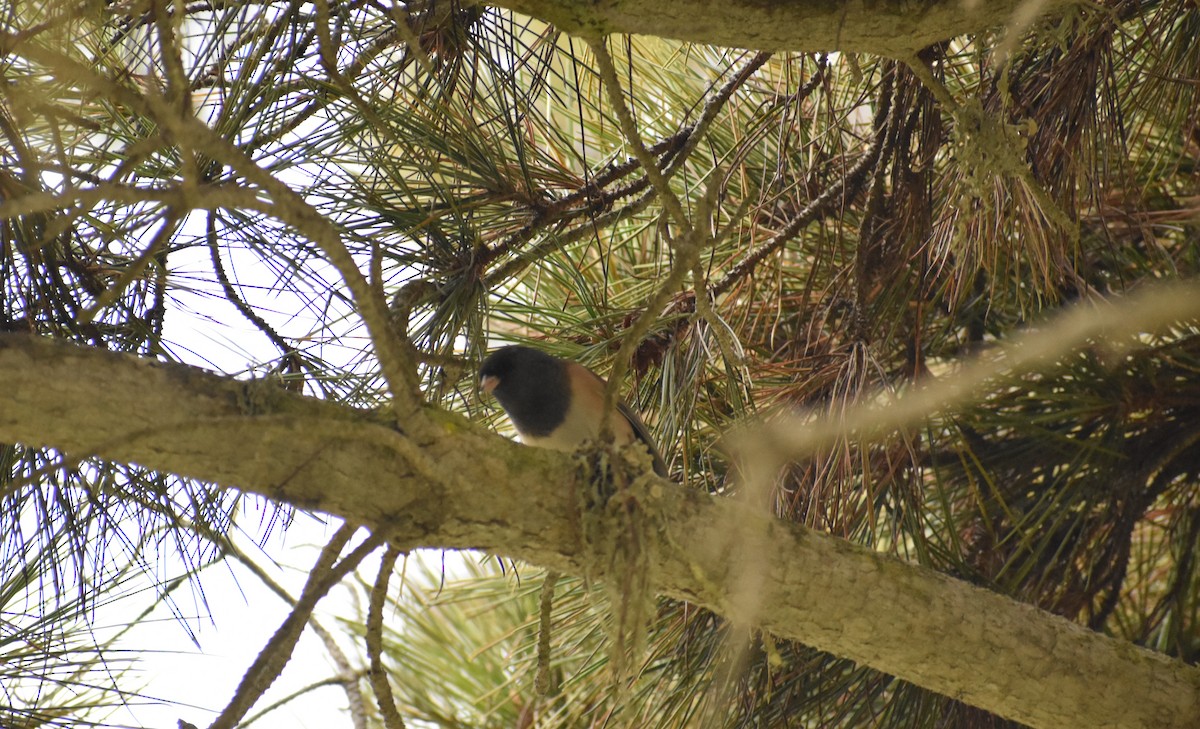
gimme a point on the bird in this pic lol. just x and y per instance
(556, 403)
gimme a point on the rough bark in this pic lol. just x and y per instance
(461, 487)
(895, 28)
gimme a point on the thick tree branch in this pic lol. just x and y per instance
(924, 627)
(890, 28)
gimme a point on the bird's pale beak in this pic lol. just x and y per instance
(488, 383)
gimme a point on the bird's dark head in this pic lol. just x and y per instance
(529, 384)
(516, 368)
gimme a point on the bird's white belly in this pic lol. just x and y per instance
(577, 428)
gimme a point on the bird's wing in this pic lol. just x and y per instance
(643, 434)
(590, 389)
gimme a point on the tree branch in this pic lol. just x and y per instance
(924, 627)
(278, 650)
(896, 29)
(378, 675)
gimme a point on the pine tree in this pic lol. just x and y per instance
(776, 248)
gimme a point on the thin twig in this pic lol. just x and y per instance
(233, 296)
(394, 358)
(134, 270)
(921, 70)
(284, 701)
(555, 241)
(616, 97)
(543, 682)
(712, 107)
(377, 674)
(682, 266)
(206, 197)
(686, 244)
(731, 348)
(673, 152)
(286, 205)
(404, 30)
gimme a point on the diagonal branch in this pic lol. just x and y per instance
(278, 650)
(670, 152)
(347, 677)
(836, 195)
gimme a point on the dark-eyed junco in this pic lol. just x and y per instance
(554, 403)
